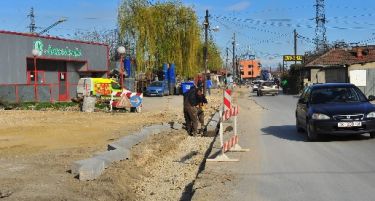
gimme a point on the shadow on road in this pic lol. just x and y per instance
(289, 132)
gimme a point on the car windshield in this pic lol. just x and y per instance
(336, 94)
(268, 84)
(156, 84)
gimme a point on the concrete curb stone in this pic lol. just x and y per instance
(92, 168)
(88, 169)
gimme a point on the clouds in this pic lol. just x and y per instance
(243, 5)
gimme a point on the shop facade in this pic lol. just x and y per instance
(47, 69)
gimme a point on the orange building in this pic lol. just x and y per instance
(250, 69)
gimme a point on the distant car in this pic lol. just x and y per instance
(335, 109)
(268, 88)
(157, 88)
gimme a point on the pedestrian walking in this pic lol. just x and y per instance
(208, 85)
(284, 85)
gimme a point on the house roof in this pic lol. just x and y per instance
(345, 56)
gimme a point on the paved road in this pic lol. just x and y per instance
(289, 168)
(151, 104)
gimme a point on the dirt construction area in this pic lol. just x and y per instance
(37, 149)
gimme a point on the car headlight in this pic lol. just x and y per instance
(319, 116)
(371, 115)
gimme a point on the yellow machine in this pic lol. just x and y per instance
(102, 87)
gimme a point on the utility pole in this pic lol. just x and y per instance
(227, 59)
(226, 65)
(234, 56)
(295, 47)
(238, 69)
(32, 26)
(206, 26)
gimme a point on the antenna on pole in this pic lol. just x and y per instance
(31, 15)
(320, 30)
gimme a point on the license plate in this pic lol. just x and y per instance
(349, 124)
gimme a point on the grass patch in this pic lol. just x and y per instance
(42, 106)
(101, 105)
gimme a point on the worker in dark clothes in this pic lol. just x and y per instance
(202, 101)
(188, 121)
(191, 107)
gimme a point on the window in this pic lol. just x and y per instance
(242, 73)
(249, 73)
(250, 66)
(31, 76)
(305, 95)
(336, 94)
(156, 84)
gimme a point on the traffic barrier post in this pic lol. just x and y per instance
(236, 147)
(224, 115)
(224, 145)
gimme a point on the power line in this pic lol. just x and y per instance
(250, 27)
(262, 22)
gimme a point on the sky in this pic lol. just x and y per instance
(263, 28)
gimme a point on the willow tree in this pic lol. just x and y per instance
(166, 32)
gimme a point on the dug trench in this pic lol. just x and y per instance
(38, 148)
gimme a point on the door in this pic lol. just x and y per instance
(301, 111)
(63, 86)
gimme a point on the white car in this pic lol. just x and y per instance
(268, 88)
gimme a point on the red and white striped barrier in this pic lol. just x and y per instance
(118, 99)
(227, 99)
(231, 144)
(233, 111)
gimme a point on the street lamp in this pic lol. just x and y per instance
(121, 51)
(35, 53)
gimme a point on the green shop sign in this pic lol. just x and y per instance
(55, 51)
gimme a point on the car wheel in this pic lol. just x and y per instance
(311, 135)
(298, 127)
(372, 135)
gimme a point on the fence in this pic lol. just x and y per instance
(16, 93)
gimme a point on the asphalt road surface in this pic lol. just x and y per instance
(287, 167)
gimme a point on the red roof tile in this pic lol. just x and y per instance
(342, 56)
